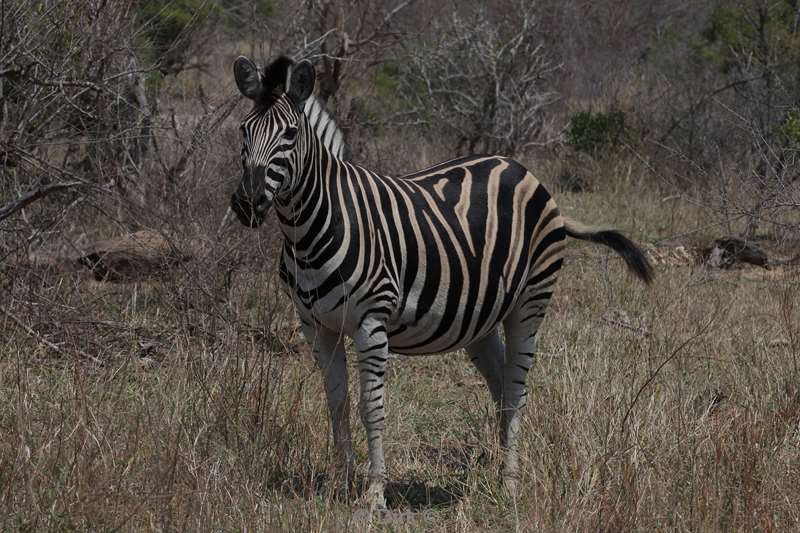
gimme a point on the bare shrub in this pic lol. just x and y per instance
(484, 81)
(64, 92)
(79, 91)
(345, 38)
(730, 105)
(758, 194)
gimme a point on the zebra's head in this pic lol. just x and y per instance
(270, 132)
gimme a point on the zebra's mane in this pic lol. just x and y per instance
(325, 127)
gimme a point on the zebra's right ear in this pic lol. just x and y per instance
(300, 83)
(247, 77)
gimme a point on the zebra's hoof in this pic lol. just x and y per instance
(375, 498)
(511, 483)
(347, 472)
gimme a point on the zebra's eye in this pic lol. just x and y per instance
(290, 133)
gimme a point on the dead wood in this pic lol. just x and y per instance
(31, 196)
(726, 251)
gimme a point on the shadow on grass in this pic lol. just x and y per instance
(405, 495)
(416, 495)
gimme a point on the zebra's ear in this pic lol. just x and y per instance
(248, 79)
(300, 83)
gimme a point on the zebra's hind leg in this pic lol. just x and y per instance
(520, 327)
(372, 345)
(487, 355)
(328, 349)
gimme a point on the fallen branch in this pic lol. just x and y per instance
(624, 325)
(31, 332)
(33, 195)
(728, 250)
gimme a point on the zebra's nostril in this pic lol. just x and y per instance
(261, 204)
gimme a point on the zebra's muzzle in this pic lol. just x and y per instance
(252, 199)
(250, 213)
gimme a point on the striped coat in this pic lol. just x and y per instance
(429, 262)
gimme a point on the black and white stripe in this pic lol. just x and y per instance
(325, 128)
(429, 262)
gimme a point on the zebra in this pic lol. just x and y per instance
(430, 262)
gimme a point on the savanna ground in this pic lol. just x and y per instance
(190, 402)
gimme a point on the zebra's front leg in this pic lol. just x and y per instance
(373, 349)
(328, 349)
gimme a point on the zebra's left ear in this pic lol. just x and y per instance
(248, 79)
(300, 83)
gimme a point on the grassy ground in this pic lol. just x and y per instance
(191, 403)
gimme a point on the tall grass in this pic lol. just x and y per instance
(191, 403)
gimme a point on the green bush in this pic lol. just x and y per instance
(394, 94)
(789, 129)
(239, 14)
(761, 34)
(387, 77)
(596, 133)
(165, 22)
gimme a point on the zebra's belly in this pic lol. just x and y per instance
(432, 317)
(342, 318)
(438, 330)
(415, 339)
(441, 330)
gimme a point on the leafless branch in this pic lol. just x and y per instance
(487, 89)
(35, 194)
(208, 124)
(30, 331)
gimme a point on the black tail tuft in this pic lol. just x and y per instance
(633, 255)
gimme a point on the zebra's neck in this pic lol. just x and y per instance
(322, 140)
(326, 129)
(309, 196)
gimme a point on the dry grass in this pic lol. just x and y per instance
(190, 404)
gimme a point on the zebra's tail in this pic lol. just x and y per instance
(633, 255)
